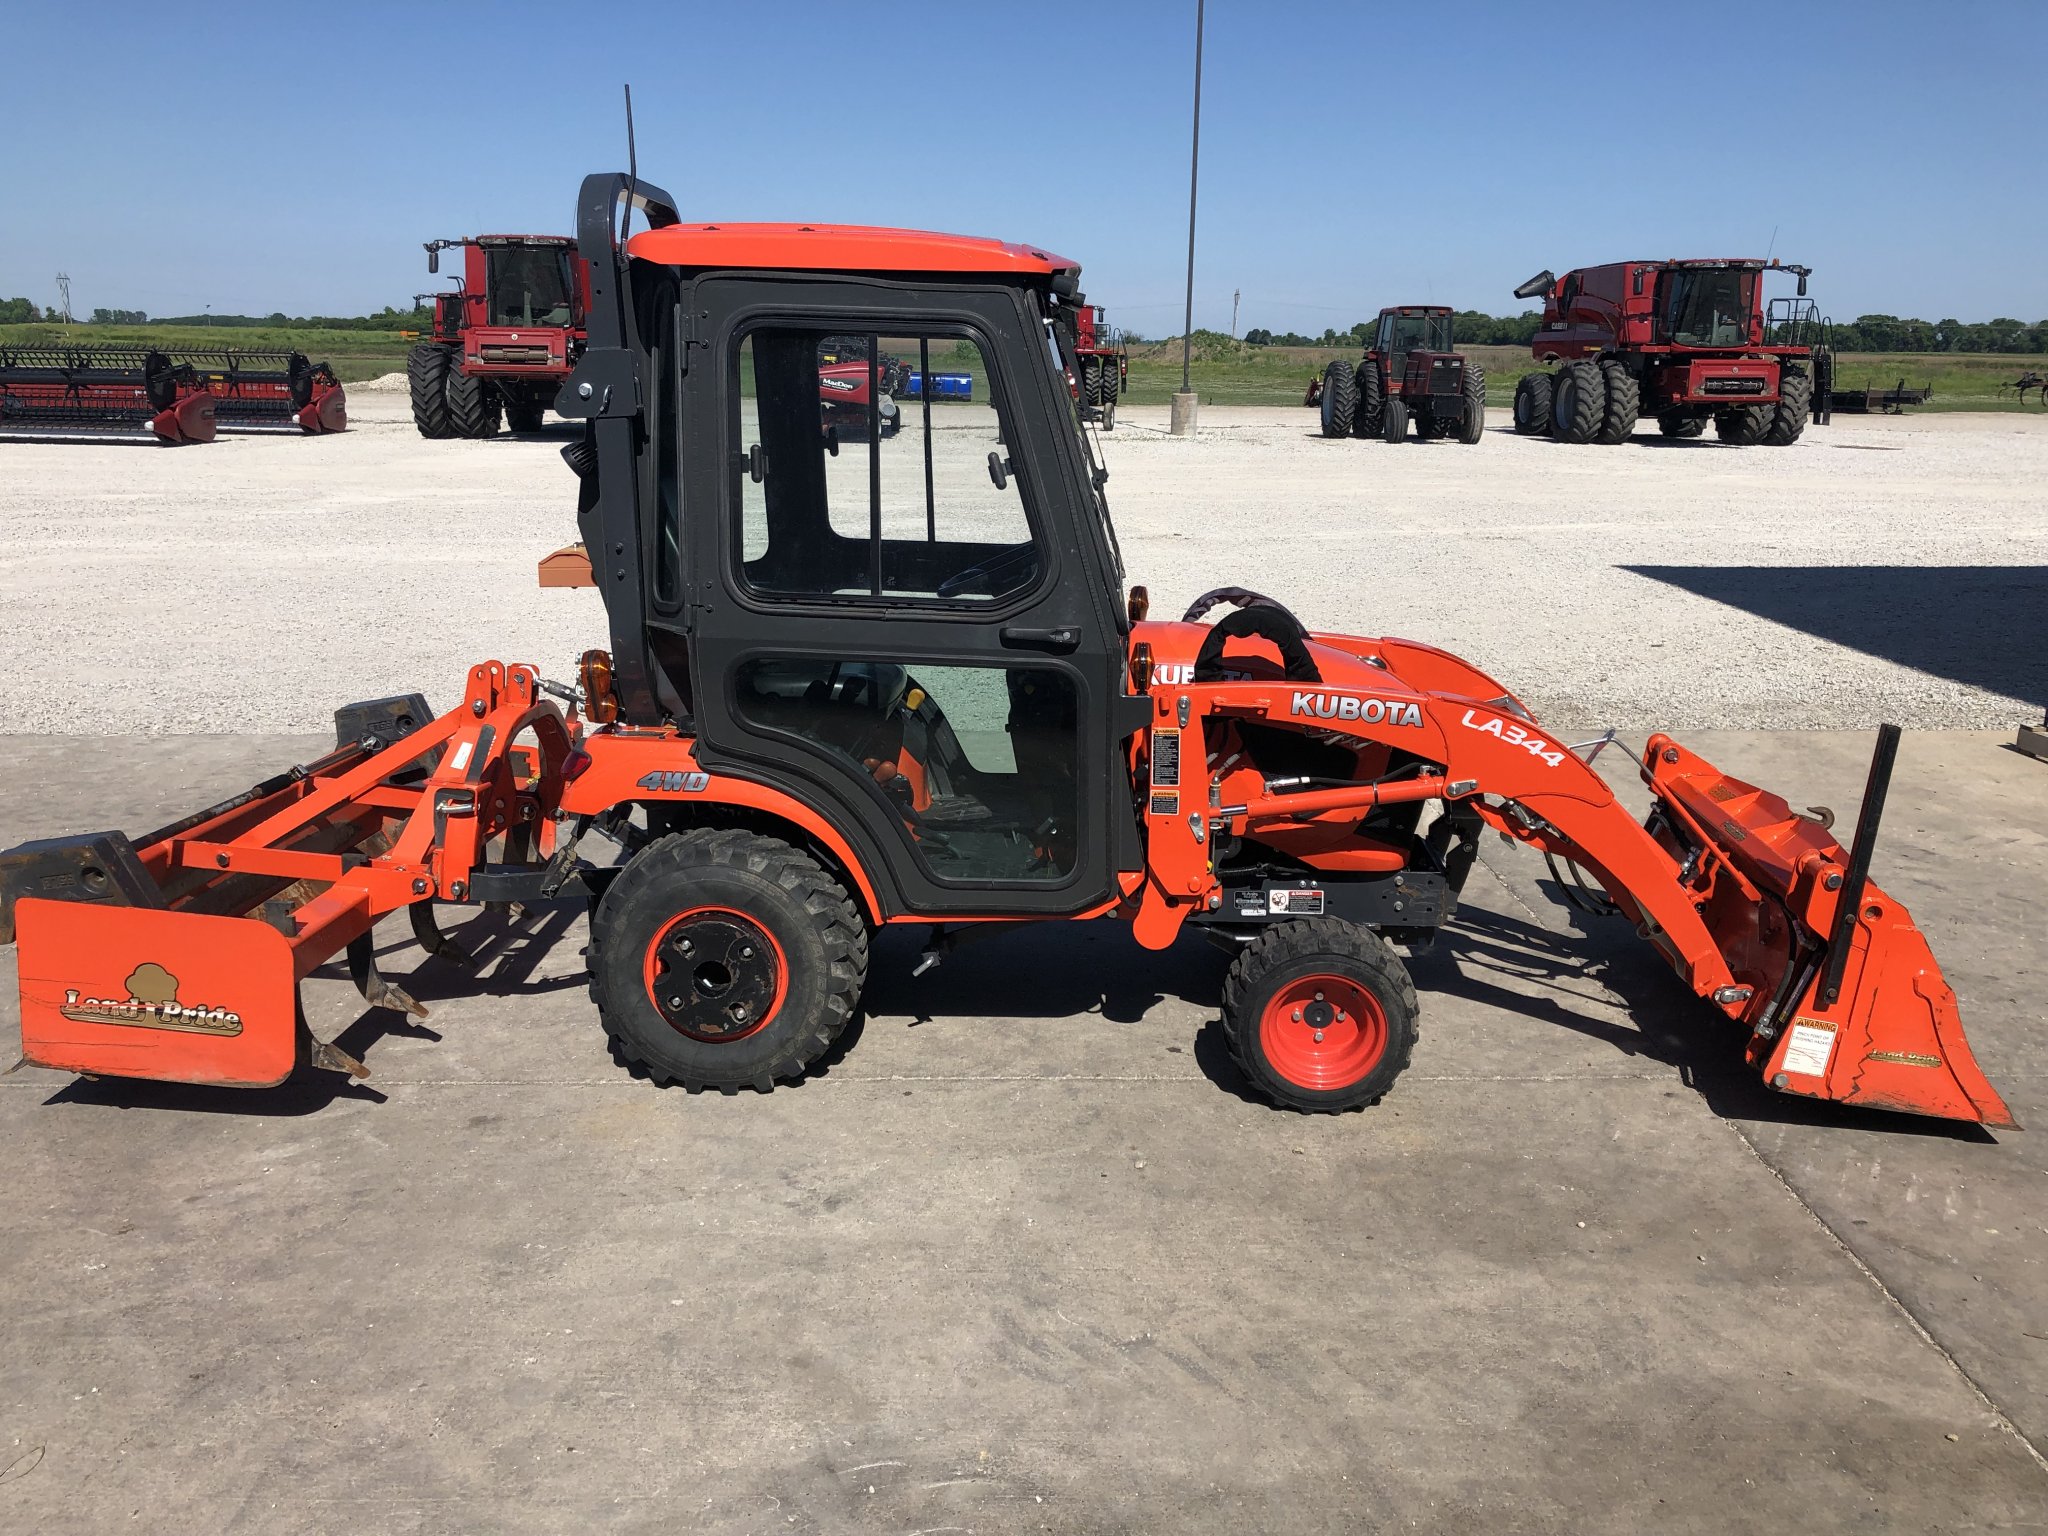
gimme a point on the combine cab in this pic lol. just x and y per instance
(1411, 372)
(847, 690)
(131, 394)
(504, 339)
(1688, 342)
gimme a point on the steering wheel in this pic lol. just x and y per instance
(1257, 615)
(999, 573)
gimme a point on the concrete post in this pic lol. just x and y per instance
(1183, 421)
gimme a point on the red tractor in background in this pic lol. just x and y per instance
(1410, 372)
(1105, 362)
(1685, 341)
(504, 339)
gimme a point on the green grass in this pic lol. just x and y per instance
(1962, 381)
(355, 355)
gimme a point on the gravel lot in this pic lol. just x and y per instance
(255, 583)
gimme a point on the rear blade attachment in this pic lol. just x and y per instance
(1844, 999)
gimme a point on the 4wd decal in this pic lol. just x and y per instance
(1515, 736)
(151, 1003)
(674, 781)
(1348, 706)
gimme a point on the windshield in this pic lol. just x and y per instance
(1707, 306)
(1421, 333)
(529, 284)
(1066, 368)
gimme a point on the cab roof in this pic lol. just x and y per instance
(840, 248)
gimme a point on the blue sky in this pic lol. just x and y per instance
(293, 157)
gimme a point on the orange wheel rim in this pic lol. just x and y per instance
(1323, 1033)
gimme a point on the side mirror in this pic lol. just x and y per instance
(757, 461)
(433, 259)
(831, 439)
(998, 470)
(1802, 285)
(1639, 281)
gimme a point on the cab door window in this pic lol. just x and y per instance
(874, 466)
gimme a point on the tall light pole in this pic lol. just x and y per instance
(1183, 419)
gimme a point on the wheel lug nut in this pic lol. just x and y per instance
(1297, 1015)
(1319, 1037)
(746, 952)
(675, 1002)
(1319, 997)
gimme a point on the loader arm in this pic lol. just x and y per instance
(1758, 908)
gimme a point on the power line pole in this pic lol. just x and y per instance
(1183, 421)
(64, 295)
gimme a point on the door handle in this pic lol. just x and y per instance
(1063, 637)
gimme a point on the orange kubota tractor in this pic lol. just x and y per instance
(855, 682)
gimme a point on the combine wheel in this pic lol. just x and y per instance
(526, 410)
(1795, 405)
(1320, 1015)
(1741, 425)
(426, 377)
(1340, 399)
(472, 406)
(1578, 406)
(724, 959)
(1680, 424)
(1112, 381)
(1532, 403)
(1624, 404)
(1393, 421)
(1372, 400)
(1091, 381)
(1474, 424)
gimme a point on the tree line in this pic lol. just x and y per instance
(1866, 333)
(415, 318)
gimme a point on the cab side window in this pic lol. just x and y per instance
(872, 466)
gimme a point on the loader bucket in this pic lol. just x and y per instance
(174, 996)
(1846, 1002)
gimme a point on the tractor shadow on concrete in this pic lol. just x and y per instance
(1983, 626)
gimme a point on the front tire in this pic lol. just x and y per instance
(473, 405)
(1680, 424)
(1393, 421)
(426, 379)
(1742, 426)
(1474, 425)
(725, 959)
(1579, 405)
(1340, 399)
(1794, 408)
(1624, 404)
(1532, 404)
(1322, 977)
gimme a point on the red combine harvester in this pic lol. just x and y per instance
(1410, 372)
(1687, 342)
(503, 340)
(1105, 363)
(836, 701)
(137, 394)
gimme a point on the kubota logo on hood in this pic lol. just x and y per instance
(1347, 706)
(151, 1003)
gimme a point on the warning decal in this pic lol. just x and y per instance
(1808, 1049)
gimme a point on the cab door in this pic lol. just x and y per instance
(895, 612)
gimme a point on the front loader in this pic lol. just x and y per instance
(854, 682)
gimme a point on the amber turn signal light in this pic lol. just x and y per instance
(594, 672)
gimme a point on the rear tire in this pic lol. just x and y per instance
(1290, 984)
(1112, 381)
(1372, 400)
(1680, 424)
(1474, 425)
(1532, 404)
(1624, 404)
(1091, 381)
(426, 378)
(1741, 426)
(1393, 421)
(1340, 399)
(526, 411)
(1579, 404)
(1794, 408)
(682, 982)
(473, 406)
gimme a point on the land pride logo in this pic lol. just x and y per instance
(151, 1003)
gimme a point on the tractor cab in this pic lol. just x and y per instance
(1411, 328)
(919, 626)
